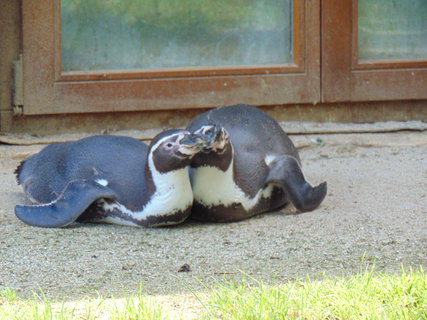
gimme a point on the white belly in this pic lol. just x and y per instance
(212, 187)
(173, 195)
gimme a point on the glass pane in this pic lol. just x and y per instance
(392, 29)
(146, 34)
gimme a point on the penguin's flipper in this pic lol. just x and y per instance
(285, 172)
(73, 201)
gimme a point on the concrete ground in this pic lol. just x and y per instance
(375, 213)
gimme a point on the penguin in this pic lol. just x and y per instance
(110, 179)
(250, 167)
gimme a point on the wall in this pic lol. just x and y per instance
(10, 46)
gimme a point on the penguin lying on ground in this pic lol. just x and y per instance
(252, 167)
(110, 179)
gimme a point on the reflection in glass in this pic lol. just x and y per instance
(129, 34)
(392, 29)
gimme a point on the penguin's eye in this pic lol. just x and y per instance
(168, 146)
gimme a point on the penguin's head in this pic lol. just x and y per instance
(173, 149)
(217, 151)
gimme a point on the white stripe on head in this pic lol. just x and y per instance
(151, 165)
(269, 158)
(180, 135)
(102, 182)
(203, 129)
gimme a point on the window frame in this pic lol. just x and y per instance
(346, 78)
(48, 90)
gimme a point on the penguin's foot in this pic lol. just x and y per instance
(285, 172)
(74, 200)
(310, 197)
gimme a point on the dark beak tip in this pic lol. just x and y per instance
(194, 141)
(203, 140)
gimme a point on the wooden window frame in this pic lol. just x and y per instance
(48, 90)
(345, 78)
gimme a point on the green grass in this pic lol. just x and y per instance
(364, 296)
(40, 308)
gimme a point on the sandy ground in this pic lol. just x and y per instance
(375, 213)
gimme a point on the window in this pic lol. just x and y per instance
(146, 35)
(374, 50)
(129, 55)
(100, 56)
(392, 30)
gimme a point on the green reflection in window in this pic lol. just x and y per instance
(146, 34)
(392, 29)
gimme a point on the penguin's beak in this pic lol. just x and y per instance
(192, 143)
(214, 136)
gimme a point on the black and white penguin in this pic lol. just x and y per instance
(250, 168)
(110, 179)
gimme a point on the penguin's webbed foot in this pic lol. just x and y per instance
(309, 198)
(74, 200)
(285, 172)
